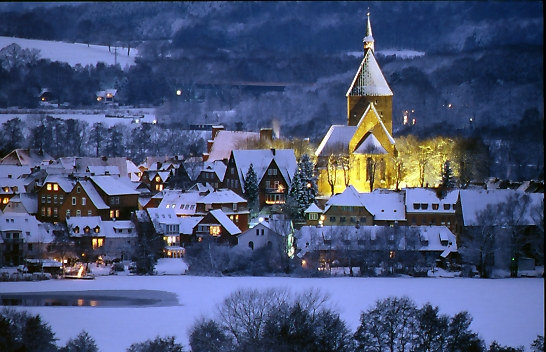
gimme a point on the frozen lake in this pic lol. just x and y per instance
(510, 311)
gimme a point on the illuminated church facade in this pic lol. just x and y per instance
(361, 153)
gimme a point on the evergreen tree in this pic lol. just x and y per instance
(251, 190)
(82, 343)
(303, 189)
(447, 180)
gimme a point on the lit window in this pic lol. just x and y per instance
(392, 254)
(435, 206)
(97, 242)
(215, 230)
(97, 229)
(55, 187)
(49, 186)
(48, 211)
(157, 179)
(5, 200)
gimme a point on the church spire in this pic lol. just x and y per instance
(368, 39)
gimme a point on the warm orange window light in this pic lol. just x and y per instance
(55, 187)
(98, 242)
(49, 186)
(215, 230)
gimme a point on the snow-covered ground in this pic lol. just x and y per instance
(510, 311)
(75, 53)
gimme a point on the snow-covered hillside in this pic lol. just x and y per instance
(74, 53)
(510, 311)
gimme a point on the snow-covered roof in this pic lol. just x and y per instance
(385, 206)
(13, 171)
(226, 141)
(369, 80)
(101, 228)
(313, 208)
(103, 170)
(63, 182)
(32, 230)
(349, 197)
(93, 195)
(261, 159)
(112, 186)
(183, 203)
(25, 157)
(429, 197)
(336, 139)
(370, 145)
(226, 223)
(216, 166)
(222, 196)
(187, 224)
(420, 238)
(474, 201)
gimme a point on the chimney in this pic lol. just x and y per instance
(216, 129)
(205, 156)
(210, 142)
(273, 151)
(266, 135)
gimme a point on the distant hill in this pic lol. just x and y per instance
(74, 53)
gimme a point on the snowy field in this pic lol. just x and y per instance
(510, 311)
(74, 53)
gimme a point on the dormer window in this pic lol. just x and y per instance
(435, 206)
(424, 206)
(97, 229)
(87, 229)
(447, 206)
(77, 229)
(416, 206)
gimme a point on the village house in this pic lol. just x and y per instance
(272, 232)
(21, 237)
(52, 196)
(107, 240)
(215, 224)
(381, 207)
(274, 168)
(213, 173)
(409, 248)
(424, 207)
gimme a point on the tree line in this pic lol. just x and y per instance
(278, 320)
(59, 138)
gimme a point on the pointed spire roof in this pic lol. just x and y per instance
(369, 80)
(368, 39)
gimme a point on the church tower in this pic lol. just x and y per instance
(369, 86)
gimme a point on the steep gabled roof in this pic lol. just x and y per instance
(369, 80)
(93, 195)
(261, 159)
(370, 145)
(337, 137)
(112, 186)
(226, 141)
(25, 157)
(226, 223)
(371, 122)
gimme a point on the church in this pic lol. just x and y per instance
(363, 152)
